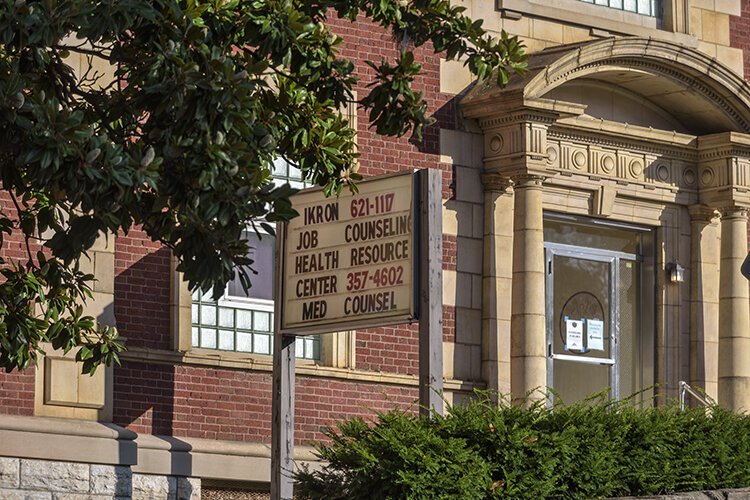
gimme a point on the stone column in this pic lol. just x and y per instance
(704, 299)
(497, 278)
(528, 326)
(734, 312)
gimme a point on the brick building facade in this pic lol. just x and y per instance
(621, 156)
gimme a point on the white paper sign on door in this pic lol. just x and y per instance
(595, 334)
(574, 334)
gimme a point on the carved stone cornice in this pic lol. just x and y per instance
(509, 106)
(519, 116)
(723, 145)
(724, 171)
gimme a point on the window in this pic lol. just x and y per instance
(644, 7)
(661, 19)
(242, 320)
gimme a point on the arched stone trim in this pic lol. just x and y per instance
(682, 65)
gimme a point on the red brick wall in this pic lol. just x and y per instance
(236, 405)
(142, 272)
(364, 40)
(391, 349)
(323, 402)
(17, 392)
(16, 389)
(739, 34)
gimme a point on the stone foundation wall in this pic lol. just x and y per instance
(51, 480)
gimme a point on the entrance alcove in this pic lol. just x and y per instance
(628, 135)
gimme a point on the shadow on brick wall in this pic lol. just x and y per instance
(144, 392)
(142, 293)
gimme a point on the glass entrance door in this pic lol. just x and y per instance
(593, 299)
(599, 309)
(581, 307)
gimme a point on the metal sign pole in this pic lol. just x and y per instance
(282, 401)
(282, 446)
(430, 182)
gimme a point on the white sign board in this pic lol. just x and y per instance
(348, 261)
(595, 334)
(574, 335)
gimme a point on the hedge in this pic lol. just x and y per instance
(485, 450)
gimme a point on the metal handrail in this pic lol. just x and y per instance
(686, 389)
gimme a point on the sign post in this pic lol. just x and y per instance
(351, 262)
(430, 185)
(282, 415)
(282, 400)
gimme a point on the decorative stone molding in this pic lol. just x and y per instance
(659, 67)
(61, 390)
(516, 140)
(526, 133)
(614, 136)
(521, 140)
(561, 159)
(724, 170)
(589, 157)
(496, 182)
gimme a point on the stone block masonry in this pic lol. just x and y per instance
(52, 480)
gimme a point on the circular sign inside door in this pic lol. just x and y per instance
(584, 308)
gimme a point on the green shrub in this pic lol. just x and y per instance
(400, 456)
(593, 449)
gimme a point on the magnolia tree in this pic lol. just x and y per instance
(180, 136)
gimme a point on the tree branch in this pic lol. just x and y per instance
(81, 50)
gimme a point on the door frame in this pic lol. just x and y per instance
(612, 258)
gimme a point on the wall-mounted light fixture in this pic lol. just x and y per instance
(675, 272)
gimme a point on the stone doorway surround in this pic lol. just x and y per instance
(690, 182)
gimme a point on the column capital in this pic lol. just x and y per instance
(496, 182)
(733, 211)
(702, 213)
(528, 180)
